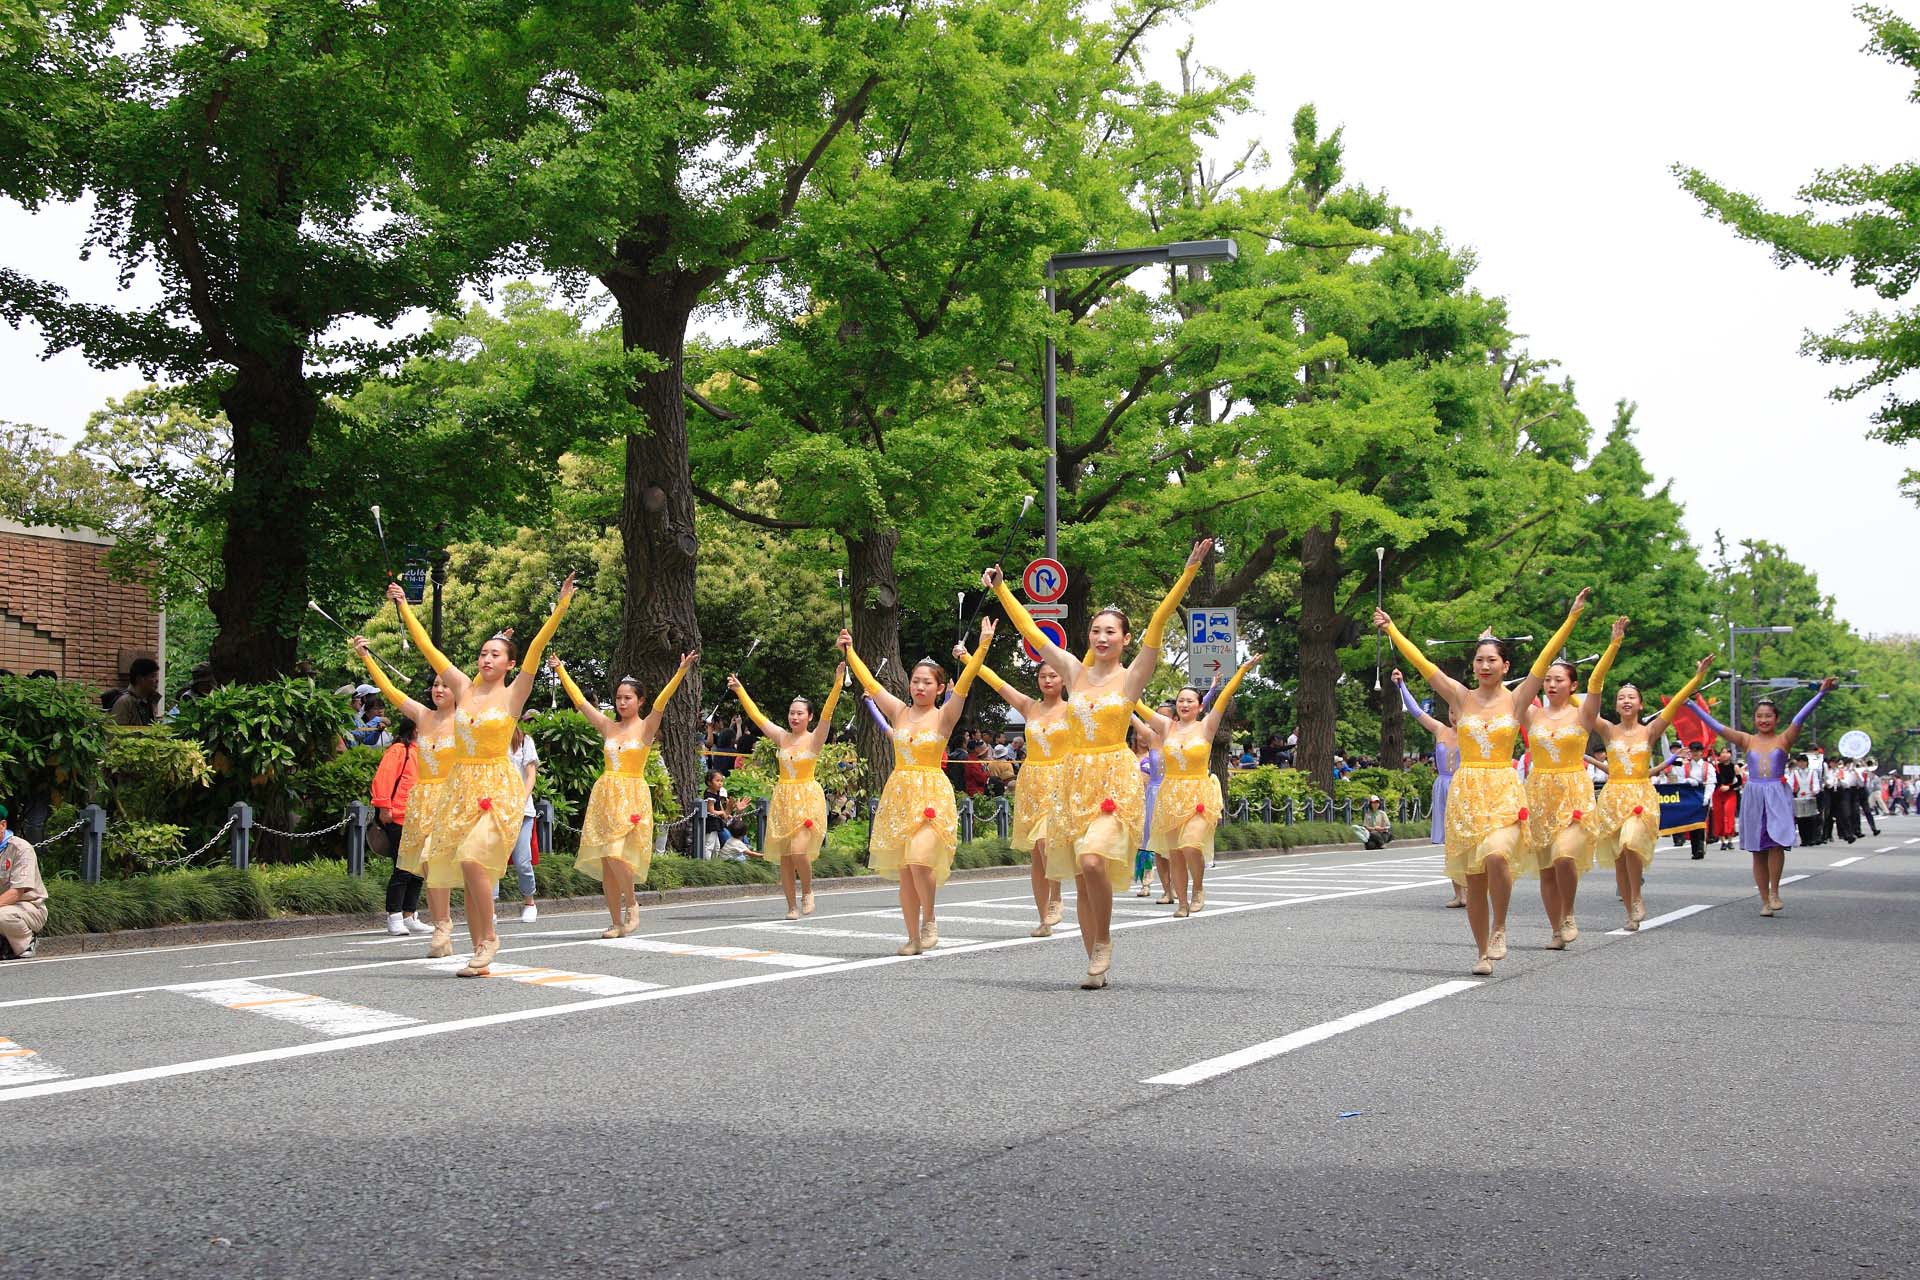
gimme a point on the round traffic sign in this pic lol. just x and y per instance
(1055, 632)
(1045, 580)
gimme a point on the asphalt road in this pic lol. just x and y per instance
(732, 1095)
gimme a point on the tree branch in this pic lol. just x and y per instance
(723, 415)
(750, 517)
(1252, 571)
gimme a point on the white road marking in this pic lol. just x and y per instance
(1791, 879)
(1847, 862)
(947, 919)
(20, 1065)
(1301, 1039)
(783, 959)
(1656, 921)
(592, 984)
(793, 930)
(315, 1013)
(1913, 841)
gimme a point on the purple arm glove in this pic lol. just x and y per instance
(1407, 700)
(1807, 710)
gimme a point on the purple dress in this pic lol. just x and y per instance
(1445, 759)
(1766, 804)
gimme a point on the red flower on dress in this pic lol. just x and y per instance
(1521, 816)
(928, 813)
(634, 818)
(1107, 805)
(807, 825)
(1639, 810)
(486, 803)
(1199, 808)
(1576, 815)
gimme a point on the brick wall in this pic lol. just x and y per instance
(60, 609)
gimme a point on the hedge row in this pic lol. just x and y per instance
(323, 887)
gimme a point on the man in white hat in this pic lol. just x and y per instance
(23, 894)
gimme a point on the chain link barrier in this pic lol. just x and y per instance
(301, 835)
(47, 840)
(174, 864)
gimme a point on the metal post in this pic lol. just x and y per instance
(439, 579)
(358, 815)
(966, 819)
(543, 823)
(1266, 811)
(760, 808)
(240, 841)
(93, 834)
(1003, 819)
(1733, 686)
(1049, 416)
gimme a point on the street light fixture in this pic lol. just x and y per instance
(1180, 253)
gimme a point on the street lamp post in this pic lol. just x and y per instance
(1733, 666)
(1182, 252)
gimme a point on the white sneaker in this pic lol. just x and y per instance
(416, 926)
(395, 925)
(529, 913)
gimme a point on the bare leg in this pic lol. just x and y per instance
(1499, 873)
(803, 872)
(1478, 915)
(924, 889)
(1163, 866)
(910, 911)
(789, 885)
(617, 881)
(479, 903)
(1177, 861)
(1760, 881)
(1776, 863)
(1044, 890)
(1197, 871)
(1096, 899)
(440, 907)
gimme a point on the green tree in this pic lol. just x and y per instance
(256, 158)
(1865, 221)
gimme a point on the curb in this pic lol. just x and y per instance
(181, 935)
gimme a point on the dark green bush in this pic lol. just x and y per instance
(53, 737)
(322, 792)
(145, 902)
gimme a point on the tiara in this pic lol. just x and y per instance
(505, 633)
(626, 680)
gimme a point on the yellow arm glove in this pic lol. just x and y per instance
(1687, 691)
(833, 700)
(1597, 679)
(860, 673)
(422, 641)
(1412, 654)
(994, 682)
(577, 698)
(753, 712)
(680, 673)
(972, 669)
(540, 640)
(1157, 626)
(1554, 645)
(1021, 619)
(394, 697)
(1233, 683)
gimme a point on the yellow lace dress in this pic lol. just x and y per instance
(1188, 809)
(1036, 790)
(1487, 797)
(917, 797)
(1101, 809)
(797, 814)
(1559, 797)
(435, 762)
(477, 818)
(619, 821)
(1628, 797)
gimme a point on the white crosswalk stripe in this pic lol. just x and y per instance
(821, 931)
(21, 1065)
(780, 959)
(593, 984)
(315, 1013)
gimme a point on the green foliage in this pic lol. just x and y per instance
(146, 902)
(151, 773)
(133, 847)
(1270, 782)
(1299, 835)
(848, 838)
(323, 887)
(53, 737)
(257, 736)
(322, 792)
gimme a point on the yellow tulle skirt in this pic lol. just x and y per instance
(1621, 828)
(1035, 793)
(910, 795)
(477, 820)
(796, 820)
(1483, 816)
(1560, 820)
(1185, 815)
(1101, 809)
(418, 828)
(618, 827)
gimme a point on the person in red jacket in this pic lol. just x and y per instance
(392, 781)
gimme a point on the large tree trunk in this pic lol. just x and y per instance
(658, 622)
(876, 638)
(263, 587)
(1320, 626)
(1393, 726)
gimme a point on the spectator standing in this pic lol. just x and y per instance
(199, 686)
(140, 704)
(526, 762)
(392, 784)
(23, 895)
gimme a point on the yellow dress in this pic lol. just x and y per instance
(798, 809)
(1188, 809)
(917, 796)
(477, 818)
(417, 833)
(1486, 797)
(1559, 797)
(619, 820)
(1102, 781)
(1040, 780)
(1628, 797)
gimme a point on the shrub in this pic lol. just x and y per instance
(152, 774)
(145, 902)
(1270, 782)
(322, 792)
(53, 736)
(848, 838)
(257, 735)
(323, 888)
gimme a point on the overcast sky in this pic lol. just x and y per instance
(1539, 135)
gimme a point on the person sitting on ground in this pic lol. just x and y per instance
(23, 894)
(141, 705)
(1376, 827)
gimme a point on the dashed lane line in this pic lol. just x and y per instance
(1655, 922)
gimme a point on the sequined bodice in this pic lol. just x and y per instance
(1628, 761)
(1445, 758)
(1487, 740)
(796, 766)
(485, 736)
(436, 757)
(919, 747)
(626, 757)
(1048, 740)
(1188, 757)
(1100, 719)
(1767, 764)
(1559, 747)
